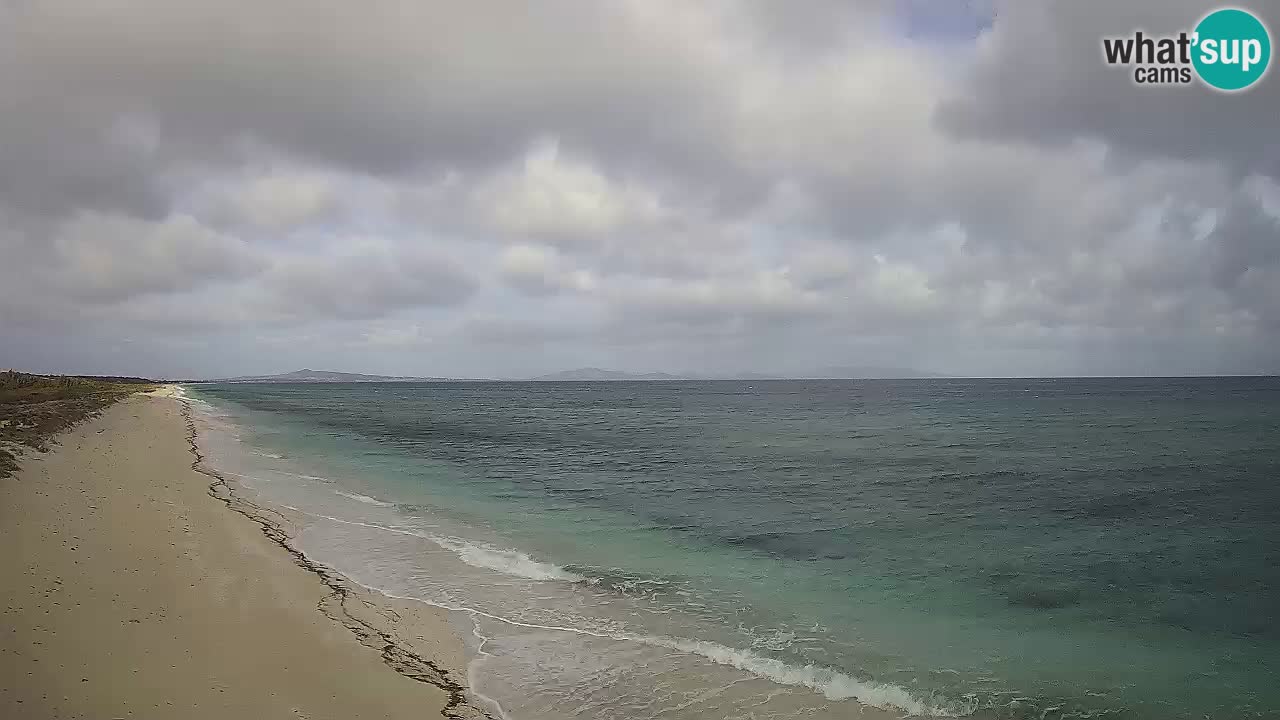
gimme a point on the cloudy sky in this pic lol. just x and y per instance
(222, 187)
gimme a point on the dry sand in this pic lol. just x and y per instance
(129, 590)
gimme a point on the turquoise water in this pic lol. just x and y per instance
(993, 548)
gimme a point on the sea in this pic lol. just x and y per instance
(984, 548)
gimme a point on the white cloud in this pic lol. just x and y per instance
(540, 270)
(282, 200)
(557, 198)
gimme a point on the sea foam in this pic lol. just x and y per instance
(510, 562)
(832, 684)
(361, 498)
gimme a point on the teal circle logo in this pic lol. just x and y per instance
(1232, 49)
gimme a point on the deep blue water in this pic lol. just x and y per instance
(1011, 548)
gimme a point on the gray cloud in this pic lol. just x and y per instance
(378, 87)
(731, 185)
(1039, 77)
(106, 258)
(364, 279)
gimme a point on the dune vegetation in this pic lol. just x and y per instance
(34, 408)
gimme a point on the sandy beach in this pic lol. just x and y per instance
(134, 589)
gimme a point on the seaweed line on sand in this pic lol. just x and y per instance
(334, 604)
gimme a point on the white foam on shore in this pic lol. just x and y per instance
(360, 498)
(509, 562)
(831, 684)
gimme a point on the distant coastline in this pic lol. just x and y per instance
(307, 375)
(588, 374)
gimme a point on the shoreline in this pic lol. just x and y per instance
(834, 694)
(395, 655)
(114, 621)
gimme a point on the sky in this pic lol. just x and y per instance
(498, 189)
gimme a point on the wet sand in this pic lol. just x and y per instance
(136, 586)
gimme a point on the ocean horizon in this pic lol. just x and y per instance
(949, 547)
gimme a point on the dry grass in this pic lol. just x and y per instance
(34, 408)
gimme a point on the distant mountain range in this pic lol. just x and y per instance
(592, 374)
(862, 372)
(827, 373)
(597, 374)
(324, 376)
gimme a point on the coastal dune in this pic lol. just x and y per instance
(132, 590)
